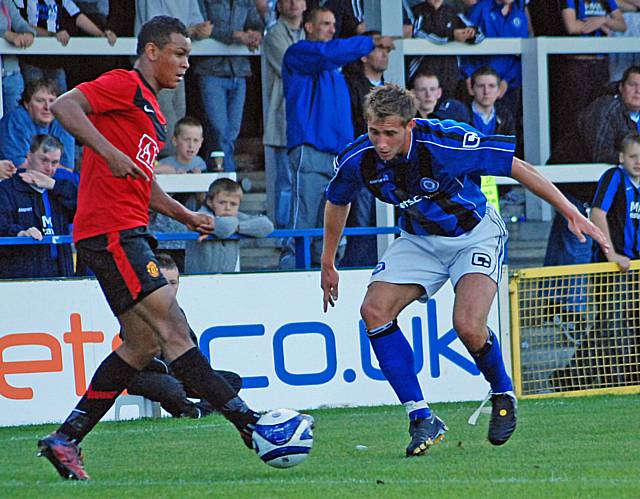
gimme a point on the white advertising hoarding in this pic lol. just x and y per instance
(269, 328)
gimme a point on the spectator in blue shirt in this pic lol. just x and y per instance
(501, 19)
(34, 204)
(31, 118)
(439, 23)
(318, 115)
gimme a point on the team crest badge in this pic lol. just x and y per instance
(152, 269)
(147, 151)
(429, 185)
(470, 140)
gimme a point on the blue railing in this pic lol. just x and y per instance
(302, 238)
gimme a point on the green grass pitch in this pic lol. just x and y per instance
(572, 447)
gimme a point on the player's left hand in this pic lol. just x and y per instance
(202, 223)
(580, 225)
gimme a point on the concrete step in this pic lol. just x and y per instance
(529, 230)
(526, 253)
(254, 203)
(257, 179)
(249, 154)
(259, 259)
(260, 242)
(527, 244)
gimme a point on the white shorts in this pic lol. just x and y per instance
(430, 260)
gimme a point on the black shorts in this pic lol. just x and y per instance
(124, 264)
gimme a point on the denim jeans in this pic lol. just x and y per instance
(12, 87)
(279, 184)
(311, 171)
(564, 248)
(223, 101)
(31, 73)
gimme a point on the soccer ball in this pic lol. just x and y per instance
(283, 438)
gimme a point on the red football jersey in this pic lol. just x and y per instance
(126, 112)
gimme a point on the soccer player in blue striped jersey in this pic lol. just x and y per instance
(616, 206)
(430, 170)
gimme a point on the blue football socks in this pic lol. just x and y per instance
(489, 361)
(395, 357)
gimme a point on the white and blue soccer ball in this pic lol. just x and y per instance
(283, 438)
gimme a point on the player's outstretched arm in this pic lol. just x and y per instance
(335, 218)
(71, 109)
(161, 202)
(529, 177)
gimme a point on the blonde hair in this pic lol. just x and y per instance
(390, 100)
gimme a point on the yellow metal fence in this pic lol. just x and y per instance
(575, 330)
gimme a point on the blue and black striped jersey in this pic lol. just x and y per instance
(436, 185)
(620, 199)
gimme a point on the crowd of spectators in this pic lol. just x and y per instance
(319, 62)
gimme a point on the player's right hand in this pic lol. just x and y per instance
(202, 223)
(122, 166)
(329, 278)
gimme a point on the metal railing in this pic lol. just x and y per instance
(302, 239)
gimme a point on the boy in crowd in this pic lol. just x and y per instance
(223, 203)
(157, 382)
(485, 116)
(615, 207)
(426, 88)
(187, 140)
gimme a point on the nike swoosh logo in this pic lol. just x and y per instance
(148, 109)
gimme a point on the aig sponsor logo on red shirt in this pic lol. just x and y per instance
(147, 151)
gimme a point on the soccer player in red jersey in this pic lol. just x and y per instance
(118, 118)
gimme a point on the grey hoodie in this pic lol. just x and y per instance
(223, 255)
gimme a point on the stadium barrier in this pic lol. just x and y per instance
(269, 328)
(575, 330)
(302, 239)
